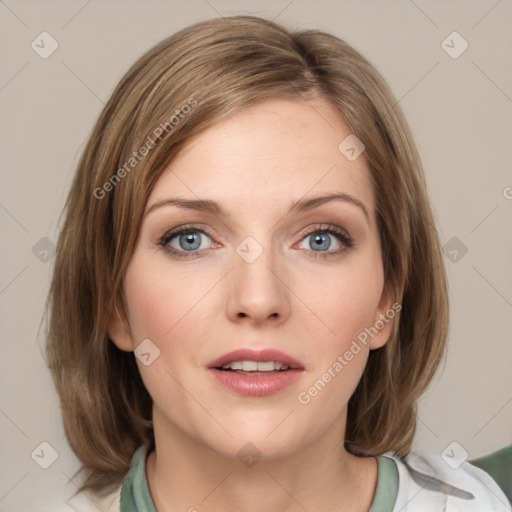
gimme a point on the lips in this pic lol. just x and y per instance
(257, 355)
(256, 383)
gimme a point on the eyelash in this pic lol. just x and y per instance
(340, 234)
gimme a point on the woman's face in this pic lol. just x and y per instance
(260, 275)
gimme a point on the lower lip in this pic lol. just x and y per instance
(256, 385)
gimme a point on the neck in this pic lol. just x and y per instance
(186, 475)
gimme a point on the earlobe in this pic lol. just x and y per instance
(384, 319)
(118, 330)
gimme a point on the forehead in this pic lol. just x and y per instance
(274, 152)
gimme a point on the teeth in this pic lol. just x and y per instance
(253, 366)
(250, 366)
(265, 366)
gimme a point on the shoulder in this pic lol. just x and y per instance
(428, 482)
(94, 502)
(110, 501)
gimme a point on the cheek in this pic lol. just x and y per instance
(344, 309)
(166, 308)
(174, 311)
(342, 303)
(162, 303)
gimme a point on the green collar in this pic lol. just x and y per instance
(135, 496)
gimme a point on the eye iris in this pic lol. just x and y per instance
(321, 241)
(189, 238)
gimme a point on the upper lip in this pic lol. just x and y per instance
(267, 354)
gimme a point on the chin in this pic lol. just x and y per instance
(267, 437)
(251, 449)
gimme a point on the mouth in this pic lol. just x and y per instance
(256, 361)
(256, 373)
(254, 367)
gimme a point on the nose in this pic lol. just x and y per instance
(258, 289)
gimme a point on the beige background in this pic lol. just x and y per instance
(460, 111)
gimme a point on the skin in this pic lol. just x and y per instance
(256, 163)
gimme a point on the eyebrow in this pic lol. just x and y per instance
(300, 206)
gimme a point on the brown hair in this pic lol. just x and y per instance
(216, 68)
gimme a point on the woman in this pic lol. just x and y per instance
(249, 294)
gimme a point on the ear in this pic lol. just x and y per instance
(383, 321)
(118, 330)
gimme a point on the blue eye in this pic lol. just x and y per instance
(190, 241)
(320, 241)
(183, 241)
(187, 242)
